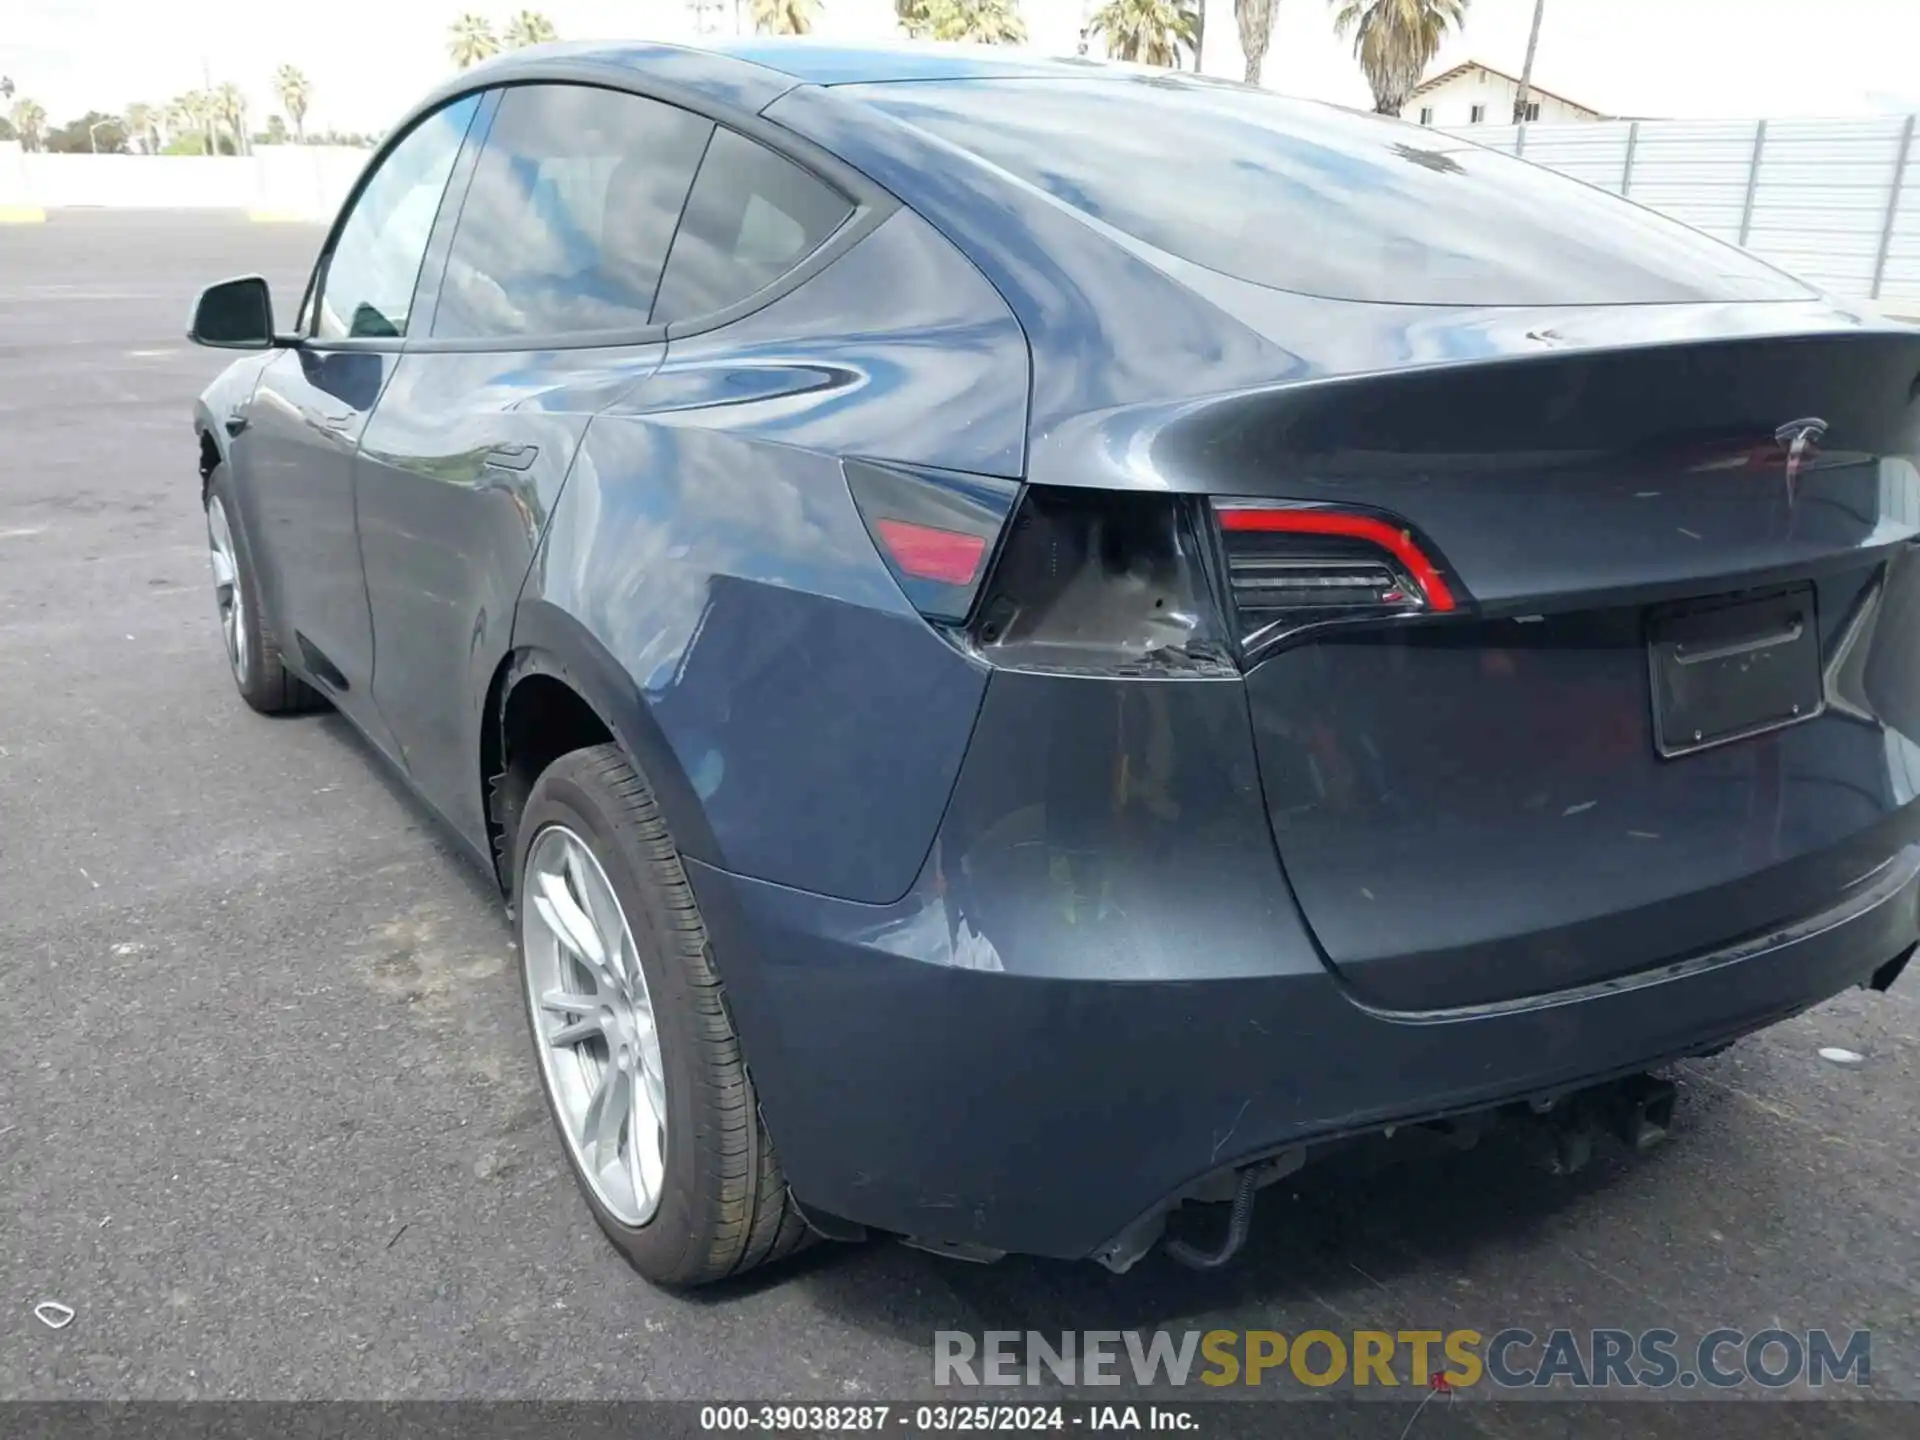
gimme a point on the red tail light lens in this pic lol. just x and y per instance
(934, 528)
(922, 552)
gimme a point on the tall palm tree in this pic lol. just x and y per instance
(470, 40)
(230, 106)
(1395, 40)
(1525, 92)
(295, 91)
(143, 124)
(785, 17)
(529, 27)
(1150, 32)
(983, 22)
(1255, 19)
(29, 123)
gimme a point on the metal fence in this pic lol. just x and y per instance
(1834, 201)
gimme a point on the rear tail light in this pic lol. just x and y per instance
(1290, 566)
(1115, 582)
(935, 529)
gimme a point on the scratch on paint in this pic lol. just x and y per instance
(1220, 1141)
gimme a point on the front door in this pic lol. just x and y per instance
(295, 471)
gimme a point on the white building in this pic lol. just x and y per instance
(1476, 94)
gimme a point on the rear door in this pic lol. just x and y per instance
(296, 457)
(541, 315)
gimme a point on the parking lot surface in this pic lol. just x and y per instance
(268, 1123)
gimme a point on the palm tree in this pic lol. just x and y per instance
(529, 27)
(785, 17)
(1395, 40)
(29, 123)
(230, 106)
(295, 92)
(1525, 92)
(1150, 32)
(1255, 19)
(985, 22)
(143, 124)
(471, 40)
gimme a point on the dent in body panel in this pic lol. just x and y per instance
(459, 470)
(708, 540)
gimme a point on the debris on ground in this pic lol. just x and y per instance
(53, 1315)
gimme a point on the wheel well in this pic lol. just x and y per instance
(209, 457)
(539, 718)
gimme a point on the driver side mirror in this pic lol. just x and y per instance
(234, 315)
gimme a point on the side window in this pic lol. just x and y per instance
(367, 286)
(753, 215)
(566, 225)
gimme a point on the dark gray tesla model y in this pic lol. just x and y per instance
(1032, 642)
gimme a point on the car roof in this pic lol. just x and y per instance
(730, 70)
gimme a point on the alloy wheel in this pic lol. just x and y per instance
(223, 560)
(593, 1025)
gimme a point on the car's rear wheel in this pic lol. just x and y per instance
(252, 651)
(637, 1054)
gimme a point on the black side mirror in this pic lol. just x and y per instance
(234, 315)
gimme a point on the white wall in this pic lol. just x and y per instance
(1818, 204)
(1453, 102)
(296, 181)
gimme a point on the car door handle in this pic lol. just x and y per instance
(512, 457)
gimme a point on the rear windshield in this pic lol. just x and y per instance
(1323, 201)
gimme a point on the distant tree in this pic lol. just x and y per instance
(230, 106)
(470, 40)
(1150, 32)
(1395, 41)
(529, 27)
(143, 127)
(6, 128)
(295, 91)
(275, 133)
(1255, 19)
(95, 130)
(29, 123)
(193, 111)
(984, 22)
(785, 17)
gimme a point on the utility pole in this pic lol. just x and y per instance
(1525, 92)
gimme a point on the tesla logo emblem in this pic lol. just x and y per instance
(1801, 440)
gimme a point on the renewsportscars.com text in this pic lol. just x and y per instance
(1509, 1359)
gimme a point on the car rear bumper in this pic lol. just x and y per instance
(920, 1080)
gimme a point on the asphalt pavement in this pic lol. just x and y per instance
(269, 1123)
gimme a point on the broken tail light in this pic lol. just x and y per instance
(1103, 582)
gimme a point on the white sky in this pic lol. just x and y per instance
(369, 59)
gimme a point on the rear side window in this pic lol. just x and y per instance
(1323, 201)
(753, 215)
(571, 210)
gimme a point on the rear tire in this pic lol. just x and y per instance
(721, 1206)
(253, 652)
